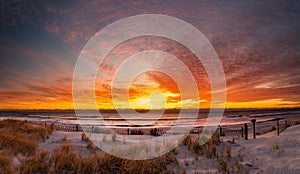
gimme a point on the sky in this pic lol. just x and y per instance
(257, 43)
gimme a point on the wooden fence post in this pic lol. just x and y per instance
(242, 131)
(253, 124)
(246, 131)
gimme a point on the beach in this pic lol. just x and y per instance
(228, 153)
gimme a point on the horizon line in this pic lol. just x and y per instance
(128, 109)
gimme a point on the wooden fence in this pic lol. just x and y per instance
(273, 125)
(250, 128)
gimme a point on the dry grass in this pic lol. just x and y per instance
(91, 146)
(18, 144)
(84, 137)
(246, 171)
(5, 164)
(36, 131)
(240, 156)
(275, 147)
(186, 161)
(25, 146)
(197, 148)
(114, 138)
(228, 151)
(236, 164)
(224, 167)
(155, 165)
(188, 141)
(39, 163)
(65, 159)
(22, 137)
(104, 137)
(90, 164)
(209, 148)
(196, 157)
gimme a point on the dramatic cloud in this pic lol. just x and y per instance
(257, 42)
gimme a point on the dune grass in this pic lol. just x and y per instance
(67, 160)
(5, 164)
(208, 148)
(40, 162)
(21, 137)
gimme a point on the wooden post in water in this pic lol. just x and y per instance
(246, 131)
(221, 133)
(277, 126)
(253, 124)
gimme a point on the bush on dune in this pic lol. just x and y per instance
(25, 146)
(6, 140)
(21, 128)
(209, 148)
(39, 163)
(65, 159)
(18, 142)
(90, 164)
(20, 137)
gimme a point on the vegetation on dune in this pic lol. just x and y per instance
(214, 148)
(208, 148)
(66, 160)
(40, 162)
(5, 164)
(20, 139)
(19, 153)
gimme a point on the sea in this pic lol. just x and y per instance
(230, 118)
